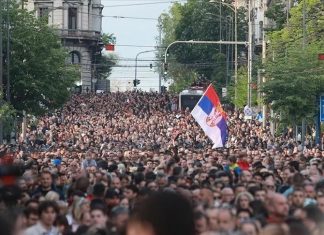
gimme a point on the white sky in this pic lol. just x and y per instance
(140, 33)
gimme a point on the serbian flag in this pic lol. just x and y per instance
(210, 115)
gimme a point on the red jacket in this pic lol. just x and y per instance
(244, 165)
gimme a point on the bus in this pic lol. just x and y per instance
(189, 98)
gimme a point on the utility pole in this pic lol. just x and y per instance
(220, 26)
(160, 56)
(304, 24)
(264, 54)
(8, 54)
(304, 45)
(1, 69)
(249, 100)
(235, 49)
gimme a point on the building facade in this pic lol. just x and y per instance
(259, 20)
(79, 25)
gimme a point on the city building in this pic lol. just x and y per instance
(78, 23)
(259, 21)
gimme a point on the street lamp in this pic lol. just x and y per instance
(234, 9)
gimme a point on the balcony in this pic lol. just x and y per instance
(79, 34)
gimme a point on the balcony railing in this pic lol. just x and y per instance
(80, 34)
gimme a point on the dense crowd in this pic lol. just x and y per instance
(132, 163)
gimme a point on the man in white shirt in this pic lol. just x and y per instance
(48, 210)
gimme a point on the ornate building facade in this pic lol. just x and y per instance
(79, 25)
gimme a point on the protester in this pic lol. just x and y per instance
(131, 163)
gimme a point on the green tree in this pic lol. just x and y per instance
(241, 90)
(295, 76)
(103, 62)
(108, 38)
(277, 12)
(39, 77)
(200, 21)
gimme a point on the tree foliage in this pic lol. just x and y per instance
(39, 76)
(296, 76)
(200, 21)
(277, 12)
(104, 65)
(104, 62)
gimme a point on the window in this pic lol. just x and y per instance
(43, 13)
(74, 58)
(73, 18)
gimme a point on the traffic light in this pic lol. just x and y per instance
(165, 68)
(136, 82)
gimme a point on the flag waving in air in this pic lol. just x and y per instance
(210, 115)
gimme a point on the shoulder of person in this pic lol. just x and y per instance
(33, 230)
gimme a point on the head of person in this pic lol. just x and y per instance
(310, 190)
(116, 183)
(269, 185)
(99, 216)
(119, 216)
(313, 218)
(260, 194)
(85, 219)
(246, 176)
(212, 214)
(226, 220)
(277, 206)
(46, 180)
(79, 205)
(12, 221)
(130, 192)
(112, 197)
(124, 202)
(227, 195)
(62, 224)
(47, 212)
(249, 227)
(243, 200)
(99, 190)
(162, 213)
(296, 226)
(201, 223)
(31, 215)
(298, 198)
(207, 197)
(243, 215)
(320, 202)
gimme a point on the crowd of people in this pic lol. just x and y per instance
(132, 163)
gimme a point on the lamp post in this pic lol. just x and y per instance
(249, 101)
(234, 9)
(1, 71)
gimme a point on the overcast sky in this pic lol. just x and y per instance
(134, 36)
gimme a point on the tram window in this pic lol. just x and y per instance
(189, 101)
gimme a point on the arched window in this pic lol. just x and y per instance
(74, 57)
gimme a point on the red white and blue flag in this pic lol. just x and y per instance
(210, 115)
